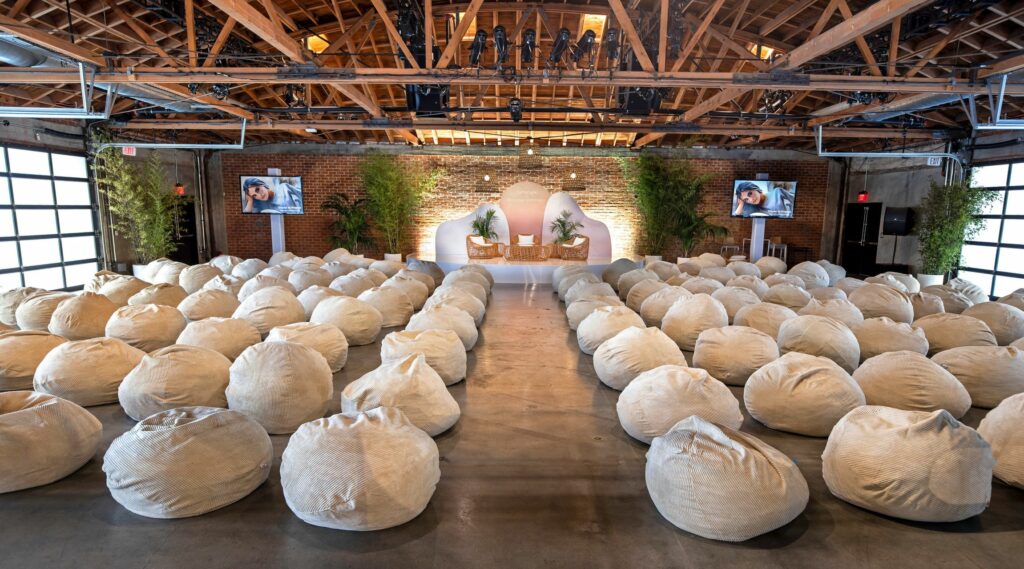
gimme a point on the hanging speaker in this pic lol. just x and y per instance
(898, 221)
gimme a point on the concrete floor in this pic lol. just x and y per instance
(537, 473)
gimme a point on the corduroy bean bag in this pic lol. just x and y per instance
(446, 317)
(1005, 321)
(482, 271)
(910, 381)
(410, 385)
(280, 384)
(86, 372)
(820, 336)
(35, 312)
(621, 358)
(690, 316)
(227, 336)
(281, 258)
(689, 267)
(790, 296)
(562, 271)
(801, 394)
(160, 293)
(701, 285)
(43, 439)
(195, 277)
(337, 269)
(98, 279)
(21, 352)
(720, 274)
(664, 269)
(910, 283)
(394, 306)
(305, 278)
(880, 335)
(359, 321)
(765, 317)
(770, 266)
(875, 300)
(149, 272)
(915, 465)
(990, 374)
(755, 284)
(849, 284)
(953, 301)
(175, 376)
(352, 284)
(453, 296)
(813, 274)
(731, 353)
(837, 309)
(613, 272)
(711, 260)
(169, 273)
(630, 279)
(829, 293)
(248, 268)
(835, 272)
(467, 275)
(325, 465)
(587, 289)
(887, 280)
(604, 323)
(335, 254)
(424, 278)
(82, 316)
(1001, 429)
(442, 349)
(269, 308)
(326, 339)
(639, 292)
(227, 283)
(568, 282)
(472, 288)
(784, 279)
(10, 300)
(208, 303)
(147, 327)
(429, 268)
(576, 312)
(733, 298)
(417, 292)
(743, 268)
(949, 330)
(655, 306)
(389, 268)
(925, 303)
(225, 263)
(279, 272)
(659, 398)
(1015, 298)
(969, 289)
(260, 282)
(722, 484)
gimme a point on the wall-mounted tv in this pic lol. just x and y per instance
(763, 198)
(272, 194)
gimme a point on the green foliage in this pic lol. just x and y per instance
(143, 207)
(565, 227)
(352, 226)
(394, 193)
(482, 225)
(667, 195)
(948, 217)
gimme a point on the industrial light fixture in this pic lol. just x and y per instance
(501, 45)
(572, 175)
(558, 49)
(584, 46)
(529, 151)
(611, 44)
(487, 177)
(529, 45)
(311, 130)
(515, 108)
(477, 47)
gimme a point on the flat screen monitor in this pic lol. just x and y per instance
(763, 198)
(271, 194)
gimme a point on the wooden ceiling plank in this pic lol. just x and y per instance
(42, 39)
(634, 38)
(190, 31)
(218, 44)
(787, 14)
(894, 47)
(263, 27)
(455, 43)
(862, 44)
(396, 38)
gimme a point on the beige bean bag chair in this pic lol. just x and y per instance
(910, 381)
(467, 275)
(260, 282)
(82, 316)
(909, 282)
(655, 306)
(307, 263)
(837, 309)
(269, 308)
(358, 320)
(1001, 429)
(147, 327)
(389, 268)
(1015, 298)
(813, 274)
(701, 285)
(914, 465)
(225, 263)
(204, 304)
(743, 268)
(785, 279)
(690, 316)
(820, 336)
(10, 300)
(417, 292)
(337, 269)
(765, 317)
(720, 274)
(43, 439)
(424, 278)
(446, 317)
(442, 349)
(880, 335)
(576, 312)
(195, 277)
(659, 398)
(277, 271)
(175, 376)
(947, 330)
(227, 336)
(187, 461)
(828, 293)
(248, 268)
(604, 323)
(751, 282)
(482, 271)
(887, 280)
(790, 296)
(562, 271)
(621, 358)
(227, 283)
(282, 258)
(281, 385)
(312, 296)
(613, 272)
(86, 372)
(733, 298)
(460, 299)
(429, 268)
(925, 304)
(969, 289)
(407, 384)
(305, 278)
(849, 284)
(990, 374)
(731, 353)
(711, 260)
(100, 278)
(374, 275)
(394, 306)
(326, 339)
(335, 254)
(875, 301)
(835, 272)
(586, 289)
(472, 288)
(1005, 321)
(641, 291)
(570, 282)
(689, 267)
(324, 471)
(169, 273)
(953, 301)
(722, 484)
(149, 272)
(161, 293)
(630, 279)
(801, 394)
(770, 266)
(664, 269)
(21, 352)
(35, 312)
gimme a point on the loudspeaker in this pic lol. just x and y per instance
(898, 221)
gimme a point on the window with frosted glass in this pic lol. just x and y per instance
(48, 232)
(994, 258)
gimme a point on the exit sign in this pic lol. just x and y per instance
(934, 161)
(128, 150)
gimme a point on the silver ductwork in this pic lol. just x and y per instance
(897, 109)
(18, 53)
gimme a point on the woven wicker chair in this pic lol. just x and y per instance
(516, 252)
(571, 252)
(488, 251)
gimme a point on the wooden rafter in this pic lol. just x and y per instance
(460, 31)
(622, 17)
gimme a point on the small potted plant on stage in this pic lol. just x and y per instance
(351, 229)
(948, 217)
(394, 192)
(481, 245)
(566, 230)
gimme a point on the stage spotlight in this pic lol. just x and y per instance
(515, 108)
(584, 46)
(501, 45)
(477, 47)
(558, 49)
(220, 91)
(611, 44)
(529, 45)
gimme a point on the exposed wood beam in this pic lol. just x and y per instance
(953, 34)
(785, 16)
(634, 38)
(894, 47)
(396, 38)
(42, 39)
(259, 24)
(218, 44)
(862, 44)
(455, 43)
(1007, 65)
(662, 35)
(17, 8)
(190, 32)
(347, 35)
(428, 32)
(702, 26)
(139, 31)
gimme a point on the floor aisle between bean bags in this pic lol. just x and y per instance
(537, 473)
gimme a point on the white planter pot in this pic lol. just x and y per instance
(397, 257)
(929, 280)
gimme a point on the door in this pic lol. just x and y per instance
(860, 238)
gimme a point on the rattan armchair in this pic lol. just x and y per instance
(516, 252)
(490, 250)
(570, 252)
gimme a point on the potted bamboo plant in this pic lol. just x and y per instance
(351, 227)
(483, 225)
(948, 217)
(394, 192)
(565, 229)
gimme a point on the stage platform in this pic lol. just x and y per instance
(524, 272)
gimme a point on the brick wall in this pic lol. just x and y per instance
(599, 188)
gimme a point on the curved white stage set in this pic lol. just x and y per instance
(524, 208)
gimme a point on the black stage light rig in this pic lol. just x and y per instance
(558, 49)
(529, 45)
(501, 45)
(611, 45)
(476, 49)
(584, 46)
(515, 108)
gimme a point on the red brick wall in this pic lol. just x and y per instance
(599, 188)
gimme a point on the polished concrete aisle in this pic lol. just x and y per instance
(537, 473)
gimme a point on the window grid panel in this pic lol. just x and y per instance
(1004, 232)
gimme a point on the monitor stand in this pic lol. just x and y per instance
(756, 239)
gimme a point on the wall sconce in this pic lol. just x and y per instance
(487, 177)
(572, 175)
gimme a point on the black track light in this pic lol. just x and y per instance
(477, 47)
(584, 46)
(611, 44)
(501, 45)
(515, 108)
(558, 49)
(529, 45)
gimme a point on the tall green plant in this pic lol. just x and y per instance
(483, 225)
(394, 193)
(948, 217)
(143, 207)
(351, 228)
(565, 227)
